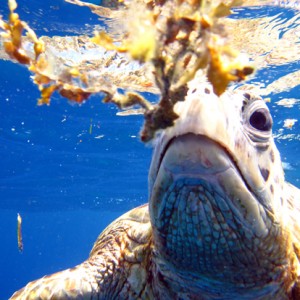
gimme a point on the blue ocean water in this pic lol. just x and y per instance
(70, 170)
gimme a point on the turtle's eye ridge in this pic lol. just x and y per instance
(261, 119)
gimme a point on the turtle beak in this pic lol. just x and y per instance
(194, 155)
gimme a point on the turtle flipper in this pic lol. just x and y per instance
(116, 269)
(74, 283)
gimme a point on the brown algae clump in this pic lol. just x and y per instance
(170, 41)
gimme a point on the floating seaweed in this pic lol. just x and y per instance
(170, 40)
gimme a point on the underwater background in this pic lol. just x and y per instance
(69, 170)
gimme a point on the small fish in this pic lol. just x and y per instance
(19, 233)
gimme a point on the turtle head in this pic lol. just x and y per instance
(215, 188)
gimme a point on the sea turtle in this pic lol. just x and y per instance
(221, 222)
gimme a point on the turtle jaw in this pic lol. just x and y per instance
(201, 209)
(197, 159)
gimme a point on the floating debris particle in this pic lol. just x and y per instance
(131, 112)
(99, 136)
(91, 126)
(19, 233)
(289, 123)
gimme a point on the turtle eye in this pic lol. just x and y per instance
(261, 119)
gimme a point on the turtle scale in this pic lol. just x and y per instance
(221, 221)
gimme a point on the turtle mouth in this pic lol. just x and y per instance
(197, 158)
(200, 138)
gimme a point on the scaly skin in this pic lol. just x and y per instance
(116, 269)
(221, 222)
